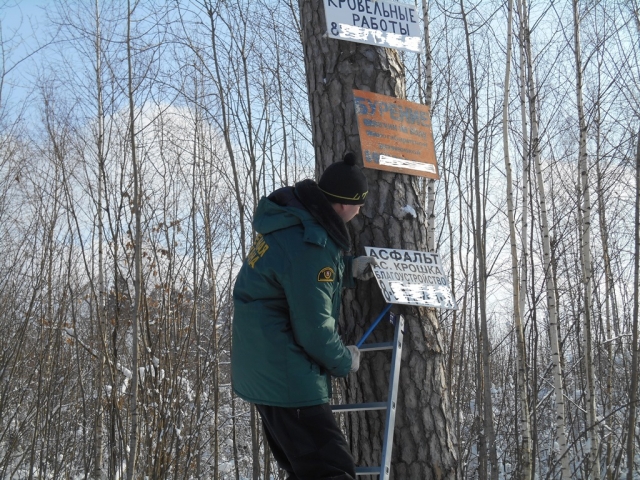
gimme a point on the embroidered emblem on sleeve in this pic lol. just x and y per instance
(327, 274)
(257, 250)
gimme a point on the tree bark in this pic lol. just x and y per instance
(424, 445)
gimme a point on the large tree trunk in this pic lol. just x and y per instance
(424, 444)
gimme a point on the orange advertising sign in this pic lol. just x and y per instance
(395, 135)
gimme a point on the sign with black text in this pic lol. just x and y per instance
(412, 278)
(381, 23)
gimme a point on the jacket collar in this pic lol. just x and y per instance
(306, 195)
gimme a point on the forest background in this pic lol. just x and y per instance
(161, 126)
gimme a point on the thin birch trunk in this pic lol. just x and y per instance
(44, 360)
(431, 183)
(234, 422)
(561, 435)
(633, 389)
(214, 333)
(593, 466)
(526, 165)
(524, 232)
(478, 424)
(137, 204)
(98, 472)
(452, 257)
(226, 127)
(196, 290)
(610, 305)
(480, 237)
(285, 153)
(523, 387)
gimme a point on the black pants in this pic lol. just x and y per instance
(307, 442)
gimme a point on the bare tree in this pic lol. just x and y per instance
(593, 468)
(487, 437)
(523, 382)
(552, 307)
(431, 190)
(635, 348)
(137, 207)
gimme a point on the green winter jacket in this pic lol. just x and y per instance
(285, 343)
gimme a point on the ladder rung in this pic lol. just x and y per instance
(358, 407)
(370, 347)
(367, 471)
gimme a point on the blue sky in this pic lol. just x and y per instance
(19, 15)
(23, 27)
(28, 7)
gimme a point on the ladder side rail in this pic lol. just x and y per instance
(394, 380)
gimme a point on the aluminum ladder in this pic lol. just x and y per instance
(384, 469)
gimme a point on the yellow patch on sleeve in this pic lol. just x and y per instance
(327, 274)
(257, 250)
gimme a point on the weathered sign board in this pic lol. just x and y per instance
(395, 135)
(381, 23)
(412, 278)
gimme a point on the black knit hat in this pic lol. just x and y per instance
(344, 182)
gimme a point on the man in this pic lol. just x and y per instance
(287, 302)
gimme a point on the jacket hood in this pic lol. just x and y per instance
(303, 204)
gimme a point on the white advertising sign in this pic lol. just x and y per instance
(381, 23)
(412, 278)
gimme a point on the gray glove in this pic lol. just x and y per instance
(355, 358)
(362, 267)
